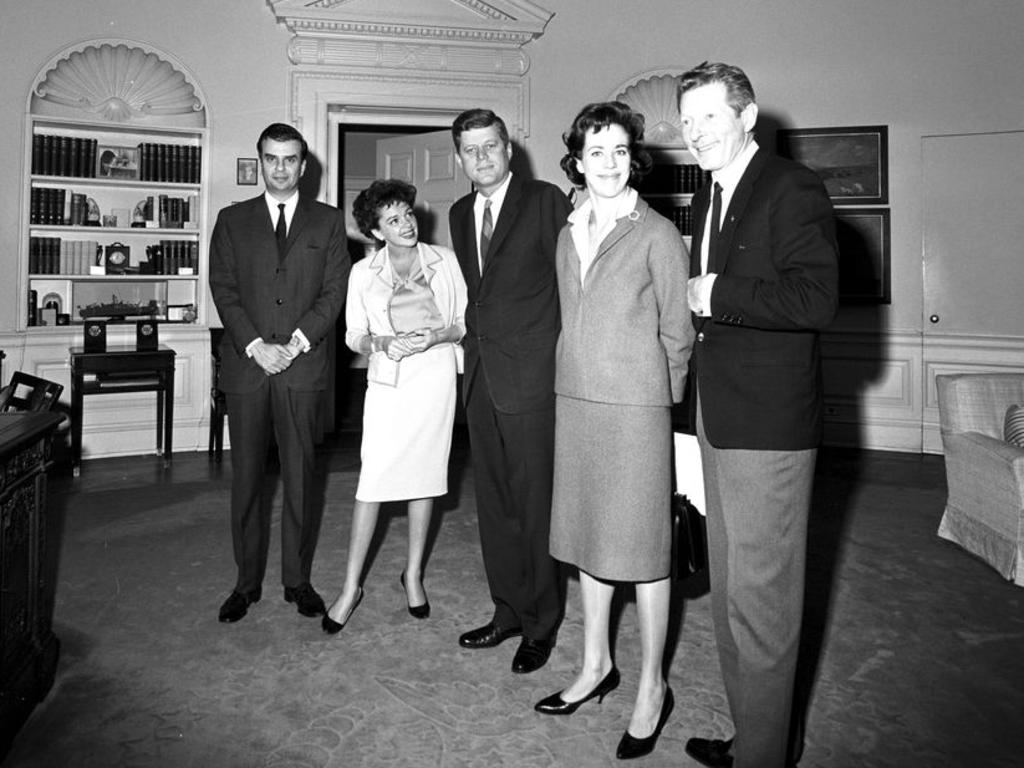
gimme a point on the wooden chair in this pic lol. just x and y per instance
(26, 392)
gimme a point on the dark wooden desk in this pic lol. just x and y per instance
(28, 570)
(120, 370)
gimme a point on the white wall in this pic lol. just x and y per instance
(234, 48)
(919, 66)
(922, 67)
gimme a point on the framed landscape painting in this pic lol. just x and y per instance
(852, 162)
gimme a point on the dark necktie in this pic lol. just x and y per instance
(716, 220)
(486, 228)
(281, 231)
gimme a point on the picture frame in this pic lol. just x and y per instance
(852, 162)
(246, 171)
(117, 162)
(863, 235)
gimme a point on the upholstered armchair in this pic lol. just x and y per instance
(984, 473)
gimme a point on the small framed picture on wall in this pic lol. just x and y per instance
(246, 170)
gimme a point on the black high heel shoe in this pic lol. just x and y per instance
(332, 627)
(416, 611)
(556, 705)
(630, 746)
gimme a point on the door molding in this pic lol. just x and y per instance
(423, 66)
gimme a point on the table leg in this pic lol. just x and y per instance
(76, 423)
(169, 416)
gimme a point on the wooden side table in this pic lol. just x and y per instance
(116, 371)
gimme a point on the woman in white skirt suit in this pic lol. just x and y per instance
(404, 312)
(620, 364)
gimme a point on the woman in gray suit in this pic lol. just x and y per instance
(620, 364)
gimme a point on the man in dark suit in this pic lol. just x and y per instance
(504, 235)
(764, 277)
(278, 273)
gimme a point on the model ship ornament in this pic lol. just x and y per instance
(117, 309)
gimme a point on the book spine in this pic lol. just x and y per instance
(90, 158)
(50, 145)
(37, 153)
(64, 156)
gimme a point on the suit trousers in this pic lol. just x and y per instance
(758, 504)
(290, 415)
(513, 458)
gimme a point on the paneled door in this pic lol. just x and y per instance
(427, 161)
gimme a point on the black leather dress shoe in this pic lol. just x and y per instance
(488, 636)
(237, 605)
(332, 627)
(556, 705)
(631, 746)
(306, 598)
(714, 753)
(530, 656)
(421, 611)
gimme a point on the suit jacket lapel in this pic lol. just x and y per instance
(465, 231)
(701, 201)
(509, 212)
(737, 206)
(299, 221)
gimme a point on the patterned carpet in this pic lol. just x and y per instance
(914, 647)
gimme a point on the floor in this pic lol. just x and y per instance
(913, 650)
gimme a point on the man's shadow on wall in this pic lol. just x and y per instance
(851, 364)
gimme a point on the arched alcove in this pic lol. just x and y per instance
(118, 81)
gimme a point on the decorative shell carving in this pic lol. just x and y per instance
(655, 98)
(118, 83)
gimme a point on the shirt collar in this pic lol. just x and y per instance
(627, 204)
(289, 205)
(730, 176)
(497, 198)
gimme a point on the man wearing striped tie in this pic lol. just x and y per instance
(504, 236)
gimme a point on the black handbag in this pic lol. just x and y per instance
(689, 539)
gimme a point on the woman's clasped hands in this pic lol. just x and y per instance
(403, 345)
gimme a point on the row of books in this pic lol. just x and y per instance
(47, 206)
(75, 156)
(167, 212)
(682, 179)
(680, 215)
(56, 256)
(178, 163)
(174, 257)
(63, 155)
(61, 207)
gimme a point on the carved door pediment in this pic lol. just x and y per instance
(450, 22)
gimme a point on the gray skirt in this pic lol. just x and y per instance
(612, 489)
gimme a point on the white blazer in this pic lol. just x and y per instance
(369, 291)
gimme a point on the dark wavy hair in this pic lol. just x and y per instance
(738, 91)
(379, 195)
(596, 117)
(281, 132)
(477, 118)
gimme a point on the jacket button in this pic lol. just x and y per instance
(700, 336)
(279, 302)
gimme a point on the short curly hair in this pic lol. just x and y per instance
(379, 195)
(596, 117)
